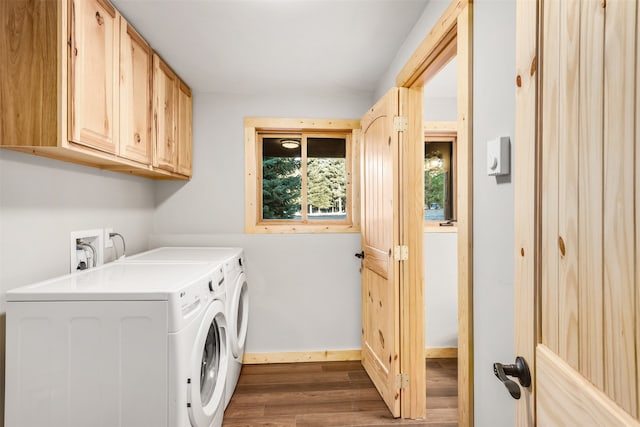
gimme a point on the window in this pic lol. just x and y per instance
(300, 175)
(439, 177)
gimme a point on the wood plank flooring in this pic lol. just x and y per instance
(332, 394)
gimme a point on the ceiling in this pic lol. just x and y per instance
(266, 46)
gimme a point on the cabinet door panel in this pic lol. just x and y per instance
(184, 130)
(94, 72)
(135, 95)
(164, 115)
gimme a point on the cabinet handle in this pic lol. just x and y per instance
(137, 138)
(99, 18)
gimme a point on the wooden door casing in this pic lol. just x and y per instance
(380, 235)
(136, 62)
(93, 94)
(587, 335)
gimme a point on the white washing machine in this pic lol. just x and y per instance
(141, 345)
(237, 307)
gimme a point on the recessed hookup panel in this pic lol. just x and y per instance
(86, 249)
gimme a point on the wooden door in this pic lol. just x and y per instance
(164, 115)
(185, 140)
(136, 60)
(380, 238)
(93, 94)
(588, 333)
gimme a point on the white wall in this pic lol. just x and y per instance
(440, 109)
(305, 288)
(441, 289)
(494, 115)
(42, 201)
(440, 93)
(494, 104)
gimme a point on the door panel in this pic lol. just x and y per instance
(590, 202)
(94, 74)
(619, 256)
(563, 391)
(135, 95)
(637, 197)
(567, 210)
(550, 247)
(586, 366)
(380, 234)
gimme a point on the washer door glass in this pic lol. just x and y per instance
(210, 364)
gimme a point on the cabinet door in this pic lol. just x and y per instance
(135, 95)
(93, 84)
(185, 139)
(164, 115)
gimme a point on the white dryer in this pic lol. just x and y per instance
(237, 307)
(123, 344)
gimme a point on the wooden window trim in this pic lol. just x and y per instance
(253, 175)
(444, 132)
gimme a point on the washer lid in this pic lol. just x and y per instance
(206, 254)
(115, 281)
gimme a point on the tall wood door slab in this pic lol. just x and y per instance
(586, 348)
(185, 138)
(164, 115)
(380, 235)
(136, 64)
(93, 95)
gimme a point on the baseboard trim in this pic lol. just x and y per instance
(440, 352)
(301, 356)
(333, 356)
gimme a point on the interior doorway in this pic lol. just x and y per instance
(441, 244)
(451, 38)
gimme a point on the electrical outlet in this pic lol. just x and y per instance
(108, 241)
(92, 254)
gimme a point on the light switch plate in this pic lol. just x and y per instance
(498, 156)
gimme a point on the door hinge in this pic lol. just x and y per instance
(401, 253)
(400, 123)
(402, 381)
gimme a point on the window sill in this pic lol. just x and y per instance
(301, 228)
(435, 228)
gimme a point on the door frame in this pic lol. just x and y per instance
(527, 196)
(451, 36)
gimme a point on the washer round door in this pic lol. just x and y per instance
(205, 390)
(238, 315)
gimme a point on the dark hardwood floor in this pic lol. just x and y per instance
(331, 394)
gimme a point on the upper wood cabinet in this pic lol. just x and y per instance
(172, 120)
(185, 134)
(93, 75)
(164, 115)
(135, 95)
(77, 86)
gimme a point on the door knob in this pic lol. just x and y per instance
(360, 255)
(518, 370)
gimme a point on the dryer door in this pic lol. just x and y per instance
(238, 315)
(205, 392)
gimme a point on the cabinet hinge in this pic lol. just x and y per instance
(401, 253)
(402, 381)
(400, 123)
